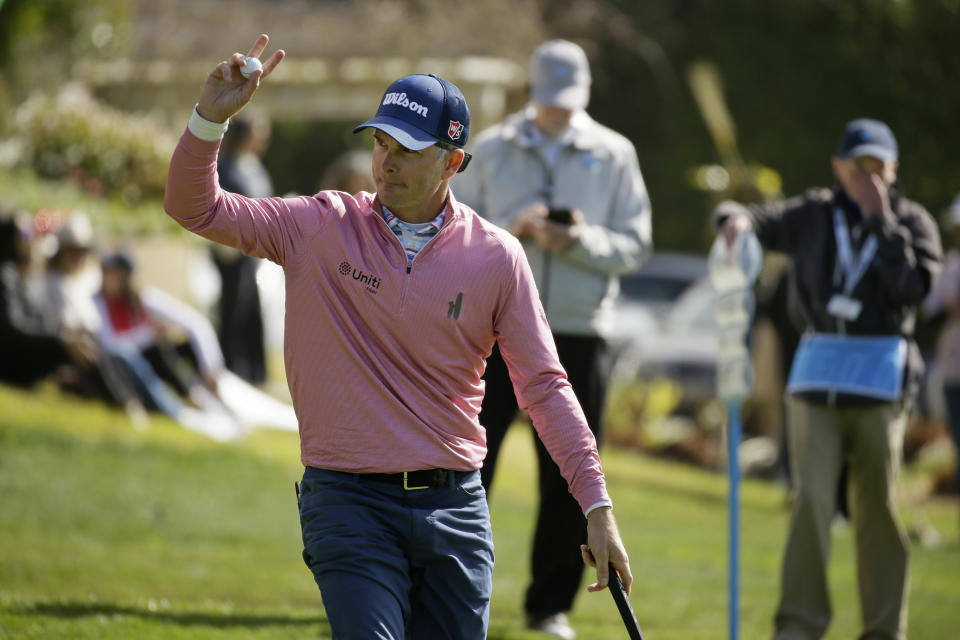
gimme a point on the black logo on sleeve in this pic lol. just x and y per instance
(454, 307)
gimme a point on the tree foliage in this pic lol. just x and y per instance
(103, 150)
(39, 38)
(794, 71)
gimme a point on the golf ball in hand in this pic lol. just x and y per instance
(252, 64)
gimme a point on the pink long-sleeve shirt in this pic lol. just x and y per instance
(384, 362)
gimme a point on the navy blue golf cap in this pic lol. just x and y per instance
(865, 137)
(421, 110)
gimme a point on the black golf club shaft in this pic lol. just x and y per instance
(623, 604)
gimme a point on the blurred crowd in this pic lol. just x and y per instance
(74, 314)
(942, 308)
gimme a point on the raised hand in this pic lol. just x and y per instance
(870, 192)
(226, 91)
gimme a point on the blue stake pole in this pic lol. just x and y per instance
(733, 269)
(733, 467)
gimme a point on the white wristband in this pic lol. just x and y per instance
(597, 505)
(205, 129)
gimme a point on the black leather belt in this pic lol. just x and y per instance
(413, 480)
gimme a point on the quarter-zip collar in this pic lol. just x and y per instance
(440, 223)
(413, 237)
(396, 223)
(449, 212)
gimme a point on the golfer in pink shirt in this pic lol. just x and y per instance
(394, 301)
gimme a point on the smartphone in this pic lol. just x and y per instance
(562, 216)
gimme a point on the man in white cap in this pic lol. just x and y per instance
(570, 189)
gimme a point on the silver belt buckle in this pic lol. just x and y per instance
(407, 487)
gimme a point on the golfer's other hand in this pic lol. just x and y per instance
(603, 547)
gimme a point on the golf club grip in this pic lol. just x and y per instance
(623, 604)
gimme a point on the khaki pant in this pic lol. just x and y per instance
(870, 439)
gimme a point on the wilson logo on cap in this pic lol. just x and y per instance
(455, 130)
(401, 100)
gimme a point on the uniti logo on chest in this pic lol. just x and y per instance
(369, 279)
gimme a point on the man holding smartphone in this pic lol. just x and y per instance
(570, 189)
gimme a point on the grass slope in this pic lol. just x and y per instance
(106, 532)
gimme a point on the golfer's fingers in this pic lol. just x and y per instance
(224, 71)
(587, 555)
(598, 559)
(258, 46)
(626, 577)
(603, 570)
(272, 62)
(236, 61)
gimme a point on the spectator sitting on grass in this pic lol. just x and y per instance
(33, 344)
(137, 324)
(134, 326)
(68, 288)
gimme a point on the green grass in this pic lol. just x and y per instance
(107, 532)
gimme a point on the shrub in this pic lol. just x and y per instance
(103, 150)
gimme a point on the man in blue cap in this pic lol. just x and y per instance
(864, 257)
(394, 301)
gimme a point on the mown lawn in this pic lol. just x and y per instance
(108, 532)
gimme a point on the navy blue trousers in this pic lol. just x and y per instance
(394, 563)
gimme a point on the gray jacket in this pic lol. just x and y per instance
(597, 173)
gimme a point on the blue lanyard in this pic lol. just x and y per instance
(854, 265)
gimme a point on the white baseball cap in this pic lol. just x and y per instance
(560, 75)
(77, 231)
